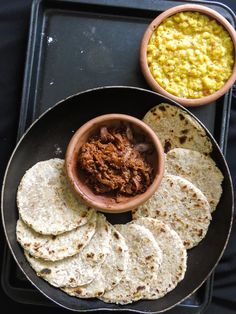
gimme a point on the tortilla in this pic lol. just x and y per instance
(111, 272)
(46, 202)
(53, 248)
(174, 263)
(145, 258)
(199, 169)
(176, 128)
(182, 206)
(81, 268)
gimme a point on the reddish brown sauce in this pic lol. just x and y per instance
(114, 161)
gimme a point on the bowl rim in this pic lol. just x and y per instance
(188, 102)
(70, 163)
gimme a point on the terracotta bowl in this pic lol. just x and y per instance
(76, 177)
(143, 54)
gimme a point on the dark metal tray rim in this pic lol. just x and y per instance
(10, 290)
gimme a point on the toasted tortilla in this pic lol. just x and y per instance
(174, 263)
(81, 268)
(176, 128)
(46, 202)
(182, 206)
(199, 169)
(145, 258)
(53, 248)
(111, 272)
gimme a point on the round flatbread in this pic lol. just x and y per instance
(81, 268)
(53, 248)
(176, 128)
(199, 169)
(174, 263)
(182, 206)
(145, 258)
(111, 272)
(46, 202)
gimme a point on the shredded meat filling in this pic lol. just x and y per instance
(114, 162)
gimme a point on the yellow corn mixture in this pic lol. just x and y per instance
(190, 55)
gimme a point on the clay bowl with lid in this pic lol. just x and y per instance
(188, 102)
(78, 178)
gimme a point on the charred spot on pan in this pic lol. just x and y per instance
(45, 271)
(182, 139)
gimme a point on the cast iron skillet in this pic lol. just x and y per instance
(50, 134)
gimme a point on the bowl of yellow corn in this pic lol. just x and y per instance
(188, 54)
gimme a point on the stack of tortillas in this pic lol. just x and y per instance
(191, 187)
(76, 249)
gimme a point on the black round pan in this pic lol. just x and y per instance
(48, 137)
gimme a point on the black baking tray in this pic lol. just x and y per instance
(80, 44)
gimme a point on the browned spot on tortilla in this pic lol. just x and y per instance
(148, 257)
(106, 227)
(162, 108)
(157, 212)
(84, 214)
(185, 131)
(139, 288)
(72, 280)
(162, 230)
(186, 242)
(181, 116)
(153, 111)
(79, 246)
(200, 232)
(45, 271)
(78, 291)
(54, 237)
(182, 139)
(116, 235)
(119, 269)
(167, 146)
(171, 183)
(119, 249)
(100, 293)
(90, 255)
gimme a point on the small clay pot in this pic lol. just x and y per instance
(103, 202)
